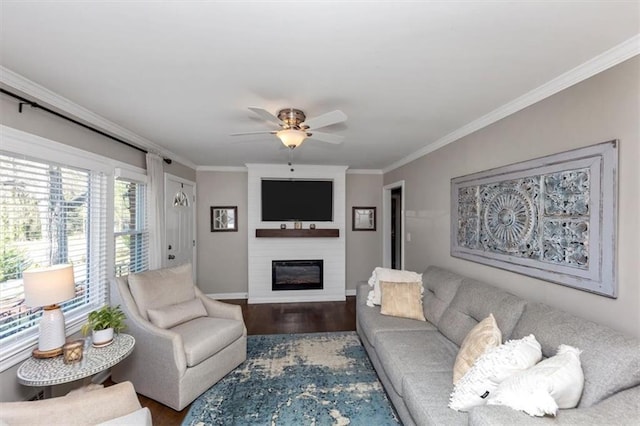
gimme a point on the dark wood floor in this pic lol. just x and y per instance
(277, 318)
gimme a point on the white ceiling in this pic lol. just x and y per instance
(182, 74)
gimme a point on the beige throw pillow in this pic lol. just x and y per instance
(390, 275)
(172, 315)
(483, 336)
(402, 300)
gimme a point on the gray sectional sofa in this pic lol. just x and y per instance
(414, 359)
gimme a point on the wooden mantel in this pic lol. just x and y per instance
(297, 233)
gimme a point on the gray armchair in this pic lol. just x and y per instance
(185, 341)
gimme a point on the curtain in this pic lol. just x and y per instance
(155, 188)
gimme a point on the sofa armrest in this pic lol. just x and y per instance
(619, 409)
(90, 407)
(362, 292)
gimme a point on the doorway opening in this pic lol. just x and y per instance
(396, 228)
(393, 225)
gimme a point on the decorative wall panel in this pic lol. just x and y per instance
(552, 218)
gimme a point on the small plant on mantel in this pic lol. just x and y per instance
(105, 319)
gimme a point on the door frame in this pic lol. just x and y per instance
(386, 223)
(194, 260)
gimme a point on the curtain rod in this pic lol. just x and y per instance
(24, 101)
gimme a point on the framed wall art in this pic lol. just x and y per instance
(224, 219)
(552, 218)
(363, 219)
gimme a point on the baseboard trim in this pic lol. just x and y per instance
(297, 299)
(227, 296)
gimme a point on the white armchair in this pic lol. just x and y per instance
(185, 341)
(113, 405)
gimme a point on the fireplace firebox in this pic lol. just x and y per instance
(296, 274)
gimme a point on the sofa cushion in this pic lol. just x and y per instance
(619, 409)
(401, 300)
(403, 353)
(204, 337)
(553, 383)
(172, 315)
(372, 323)
(610, 360)
(440, 286)
(483, 336)
(473, 302)
(427, 395)
(161, 287)
(141, 417)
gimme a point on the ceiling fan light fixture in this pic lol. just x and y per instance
(291, 138)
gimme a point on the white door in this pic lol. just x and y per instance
(179, 216)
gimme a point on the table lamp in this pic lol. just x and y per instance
(47, 287)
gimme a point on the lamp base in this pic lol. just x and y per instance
(52, 335)
(37, 353)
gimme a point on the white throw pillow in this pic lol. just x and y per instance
(480, 338)
(554, 383)
(491, 369)
(389, 275)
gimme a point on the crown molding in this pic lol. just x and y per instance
(221, 169)
(620, 53)
(364, 171)
(42, 94)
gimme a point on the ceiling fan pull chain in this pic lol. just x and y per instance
(291, 159)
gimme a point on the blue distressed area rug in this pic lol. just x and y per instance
(297, 379)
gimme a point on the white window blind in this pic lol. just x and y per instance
(130, 227)
(49, 214)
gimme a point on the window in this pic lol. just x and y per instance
(130, 227)
(50, 213)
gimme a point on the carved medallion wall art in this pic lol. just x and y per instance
(552, 218)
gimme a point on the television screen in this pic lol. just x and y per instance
(297, 200)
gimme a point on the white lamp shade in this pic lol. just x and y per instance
(291, 137)
(48, 286)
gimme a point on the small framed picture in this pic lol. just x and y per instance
(224, 219)
(364, 219)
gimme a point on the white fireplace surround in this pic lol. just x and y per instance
(262, 251)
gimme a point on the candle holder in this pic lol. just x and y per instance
(72, 351)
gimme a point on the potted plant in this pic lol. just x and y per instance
(103, 322)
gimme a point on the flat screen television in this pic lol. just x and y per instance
(297, 200)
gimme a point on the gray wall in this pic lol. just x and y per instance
(601, 108)
(364, 248)
(41, 123)
(222, 256)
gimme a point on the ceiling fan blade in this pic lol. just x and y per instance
(266, 115)
(262, 132)
(326, 137)
(327, 119)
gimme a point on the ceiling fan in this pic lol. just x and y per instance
(295, 128)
